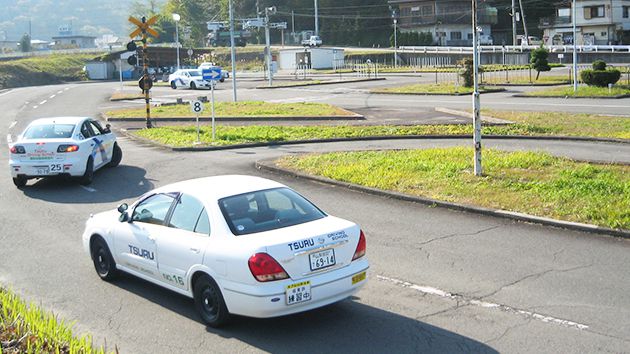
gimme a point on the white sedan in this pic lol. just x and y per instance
(62, 146)
(235, 244)
(189, 78)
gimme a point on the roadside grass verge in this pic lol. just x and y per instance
(120, 96)
(47, 70)
(185, 136)
(443, 88)
(543, 79)
(535, 183)
(239, 109)
(568, 124)
(583, 91)
(28, 329)
(279, 84)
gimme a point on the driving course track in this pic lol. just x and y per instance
(440, 280)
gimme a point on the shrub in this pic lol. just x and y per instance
(600, 76)
(539, 60)
(599, 65)
(468, 72)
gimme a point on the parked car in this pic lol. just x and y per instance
(188, 78)
(313, 41)
(486, 39)
(62, 146)
(238, 245)
(224, 73)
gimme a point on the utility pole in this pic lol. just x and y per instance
(316, 20)
(268, 11)
(575, 56)
(293, 23)
(476, 101)
(395, 44)
(520, 3)
(513, 22)
(232, 51)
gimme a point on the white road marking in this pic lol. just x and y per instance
(12, 124)
(42, 102)
(66, 89)
(52, 96)
(91, 190)
(6, 93)
(35, 107)
(479, 303)
(9, 139)
(59, 92)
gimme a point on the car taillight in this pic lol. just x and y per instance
(360, 252)
(17, 149)
(68, 148)
(265, 268)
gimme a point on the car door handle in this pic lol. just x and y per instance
(196, 250)
(151, 238)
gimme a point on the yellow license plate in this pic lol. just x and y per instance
(359, 277)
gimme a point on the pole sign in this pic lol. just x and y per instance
(144, 29)
(211, 74)
(196, 107)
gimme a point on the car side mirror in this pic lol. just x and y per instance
(108, 128)
(124, 215)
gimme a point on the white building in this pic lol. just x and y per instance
(312, 58)
(600, 22)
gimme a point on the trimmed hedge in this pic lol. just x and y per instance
(600, 78)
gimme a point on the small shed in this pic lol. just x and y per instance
(99, 70)
(312, 58)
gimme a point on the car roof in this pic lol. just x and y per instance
(217, 187)
(58, 120)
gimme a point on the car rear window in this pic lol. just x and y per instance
(49, 131)
(267, 210)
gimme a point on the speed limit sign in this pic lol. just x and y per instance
(196, 107)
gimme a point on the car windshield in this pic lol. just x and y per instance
(267, 210)
(194, 73)
(49, 131)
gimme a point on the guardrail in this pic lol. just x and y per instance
(518, 49)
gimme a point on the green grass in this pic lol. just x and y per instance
(46, 70)
(560, 123)
(238, 109)
(28, 329)
(443, 88)
(543, 79)
(528, 182)
(583, 91)
(184, 136)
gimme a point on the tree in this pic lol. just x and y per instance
(539, 60)
(25, 43)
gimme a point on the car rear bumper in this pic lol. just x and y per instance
(37, 169)
(325, 289)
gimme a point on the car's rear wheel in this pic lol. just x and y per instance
(20, 181)
(104, 263)
(88, 175)
(173, 85)
(116, 156)
(193, 86)
(209, 302)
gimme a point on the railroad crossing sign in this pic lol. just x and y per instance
(144, 28)
(143, 25)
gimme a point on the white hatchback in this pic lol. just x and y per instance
(62, 146)
(189, 78)
(235, 244)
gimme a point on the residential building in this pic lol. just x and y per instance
(68, 40)
(598, 23)
(449, 21)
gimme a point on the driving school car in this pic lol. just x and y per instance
(62, 146)
(189, 78)
(235, 244)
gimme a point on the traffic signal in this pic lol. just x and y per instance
(131, 46)
(132, 60)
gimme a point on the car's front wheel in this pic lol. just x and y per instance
(173, 85)
(193, 86)
(209, 302)
(104, 263)
(116, 156)
(88, 175)
(20, 181)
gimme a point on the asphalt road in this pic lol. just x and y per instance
(440, 281)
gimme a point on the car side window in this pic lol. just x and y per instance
(189, 215)
(96, 128)
(153, 210)
(86, 130)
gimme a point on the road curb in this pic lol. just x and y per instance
(574, 98)
(270, 166)
(435, 94)
(242, 119)
(321, 83)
